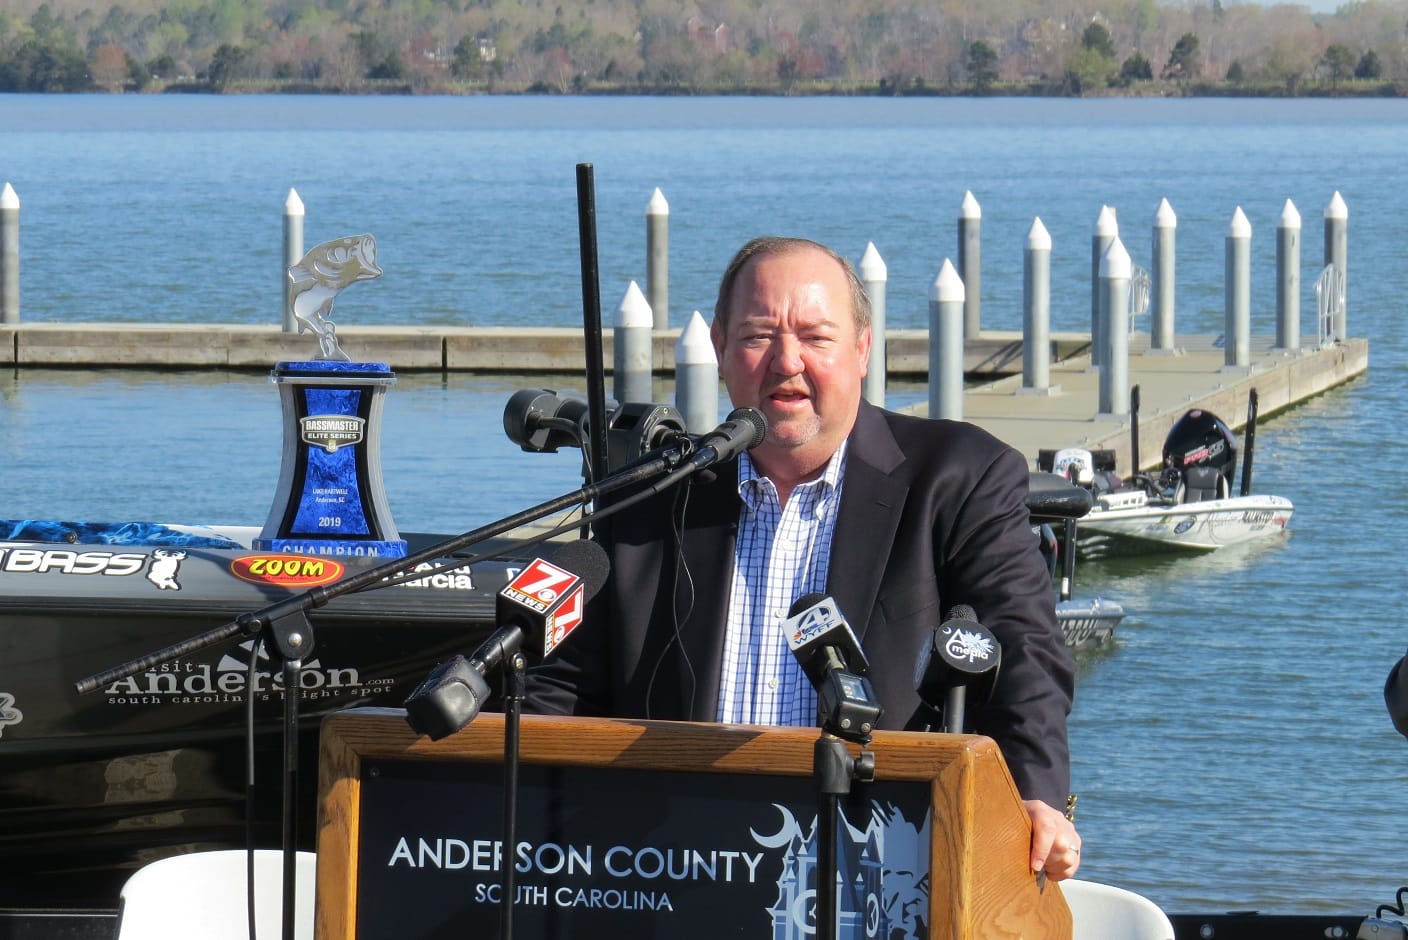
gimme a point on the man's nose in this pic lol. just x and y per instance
(787, 355)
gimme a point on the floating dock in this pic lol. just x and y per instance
(1170, 382)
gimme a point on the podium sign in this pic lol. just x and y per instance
(642, 854)
(662, 829)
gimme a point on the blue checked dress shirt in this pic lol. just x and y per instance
(782, 553)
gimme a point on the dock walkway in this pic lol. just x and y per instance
(1170, 383)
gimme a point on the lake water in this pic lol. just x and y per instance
(1230, 752)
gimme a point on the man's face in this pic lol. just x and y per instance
(792, 351)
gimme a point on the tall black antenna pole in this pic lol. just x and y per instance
(1134, 431)
(591, 322)
(1249, 444)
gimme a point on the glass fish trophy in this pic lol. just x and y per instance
(331, 500)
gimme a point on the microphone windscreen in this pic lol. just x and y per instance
(962, 612)
(805, 601)
(755, 418)
(587, 560)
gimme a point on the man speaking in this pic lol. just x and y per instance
(895, 517)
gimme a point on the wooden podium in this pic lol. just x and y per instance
(662, 827)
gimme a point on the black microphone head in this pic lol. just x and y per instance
(587, 560)
(744, 430)
(805, 601)
(962, 612)
(753, 417)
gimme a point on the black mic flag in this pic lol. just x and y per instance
(955, 656)
(536, 611)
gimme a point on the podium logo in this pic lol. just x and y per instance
(883, 876)
(331, 431)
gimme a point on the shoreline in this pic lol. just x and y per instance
(1356, 89)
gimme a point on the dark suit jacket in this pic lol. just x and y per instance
(1396, 695)
(932, 514)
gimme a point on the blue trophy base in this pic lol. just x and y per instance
(331, 500)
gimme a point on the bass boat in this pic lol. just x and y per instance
(1188, 505)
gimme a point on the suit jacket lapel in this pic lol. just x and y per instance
(708, 550)
(871, 505)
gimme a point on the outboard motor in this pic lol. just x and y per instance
(1201, 451)
(1080, 466)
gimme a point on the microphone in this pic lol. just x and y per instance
(540, 421)
(830, 655)
(744, 430)
(955, 656)
(538, 609)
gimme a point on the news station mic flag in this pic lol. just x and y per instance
(536, 612)
(830, 655)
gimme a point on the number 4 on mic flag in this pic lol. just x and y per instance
(556, 595)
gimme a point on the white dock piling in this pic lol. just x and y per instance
(1237, 327)
(1288, 278)
(970, 263)
(293, 253)
(1116, 270)
(631, 380)
(1164, 258)
(1036, 309)
(9, 255)
(1106, 230)
(1337, 253)
(697, 376)
(657, 258)
(946, 297)
(874, 274)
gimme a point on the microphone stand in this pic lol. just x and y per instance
(833, 769)
(293, 639)
(515, 685)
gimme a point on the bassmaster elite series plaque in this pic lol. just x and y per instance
(331, 500)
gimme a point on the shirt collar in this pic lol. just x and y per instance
(752, 485)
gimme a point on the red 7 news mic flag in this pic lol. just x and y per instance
(553, 599)
(546, 599)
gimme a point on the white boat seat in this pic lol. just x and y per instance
(1104, 912)
(202, 894)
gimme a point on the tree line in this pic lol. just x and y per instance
(897, 47)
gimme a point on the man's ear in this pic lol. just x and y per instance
(716, 334)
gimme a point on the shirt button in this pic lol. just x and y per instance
(772, 685)
(780, 614)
